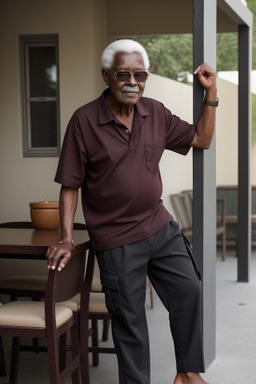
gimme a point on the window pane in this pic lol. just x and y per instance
(40, 95)
(43, 121)
(42, 71)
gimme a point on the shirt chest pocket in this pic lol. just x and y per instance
(153, 154)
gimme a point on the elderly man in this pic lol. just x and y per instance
(111, 150)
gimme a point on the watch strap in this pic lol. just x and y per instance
(212, 103)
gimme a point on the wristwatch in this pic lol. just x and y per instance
(212, 103)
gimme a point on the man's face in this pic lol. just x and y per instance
(130, 91)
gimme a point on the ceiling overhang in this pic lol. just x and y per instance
(151, 17)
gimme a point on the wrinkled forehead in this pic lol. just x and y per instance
(128, 60)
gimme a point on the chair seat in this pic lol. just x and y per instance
(96, 303)
(24, 282)
(96, 285)
(30, 314)
(73, 303)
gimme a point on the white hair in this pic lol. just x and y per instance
(123, 45)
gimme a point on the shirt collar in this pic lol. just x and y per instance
(105, 115)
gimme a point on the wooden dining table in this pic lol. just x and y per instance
(30, 243)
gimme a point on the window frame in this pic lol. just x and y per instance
(26, 41)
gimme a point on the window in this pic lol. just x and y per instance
(40, 95)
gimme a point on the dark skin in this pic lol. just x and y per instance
(121, 100)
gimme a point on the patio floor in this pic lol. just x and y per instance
(236, 338)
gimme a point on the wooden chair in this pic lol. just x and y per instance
(2, 360)
(49, 321)
(29, 286)
(183, 208)
(97, 311)
(97, 288)
(15, 286)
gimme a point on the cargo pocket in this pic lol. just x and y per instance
(191, 255)
(111, 289)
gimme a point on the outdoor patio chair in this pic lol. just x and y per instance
(49, 321)
(221, 226)
(182, 205)
(183, 208)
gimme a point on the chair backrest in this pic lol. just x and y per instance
(221, 208)
(182, 205)
(63, 285)
(75, 278)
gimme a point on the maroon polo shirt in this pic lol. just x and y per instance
(118, 171)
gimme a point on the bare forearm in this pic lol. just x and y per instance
(206, 124)
(68, 205)
(63, 250)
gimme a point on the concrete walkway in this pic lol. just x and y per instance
(235, 338)
(236, 326)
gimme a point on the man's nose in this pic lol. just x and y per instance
(132, 80)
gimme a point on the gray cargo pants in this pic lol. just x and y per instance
(167, 259)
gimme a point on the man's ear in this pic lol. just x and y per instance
(105, 76)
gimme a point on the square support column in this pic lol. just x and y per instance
(244, 155)
(204, 178)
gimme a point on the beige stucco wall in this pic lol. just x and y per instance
(83, 34)
(176, 169)
(227, 134)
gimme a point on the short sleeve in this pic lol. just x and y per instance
(73, 159)
(179, 134)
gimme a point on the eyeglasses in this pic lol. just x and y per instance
(123, 76)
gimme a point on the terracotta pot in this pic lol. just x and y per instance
(45, 214)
